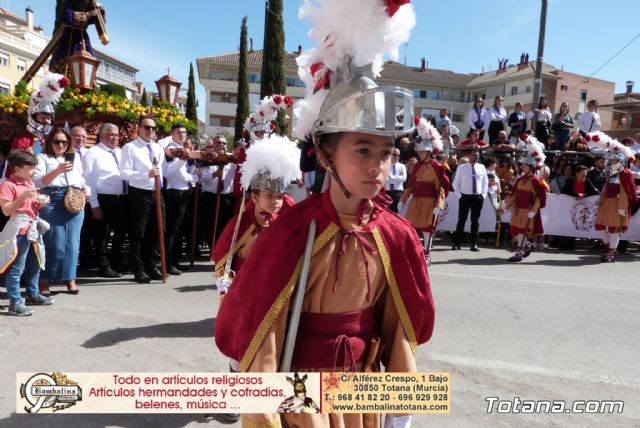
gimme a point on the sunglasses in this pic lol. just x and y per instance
(149, 127)
(60, 142)
(395, 155)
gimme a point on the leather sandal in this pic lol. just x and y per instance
(44, 287)
(72, 287)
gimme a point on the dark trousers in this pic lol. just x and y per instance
(144, 229)
(208, 212)
(87, 249)
(473, 203)
(176, 202)
(115, 218)
(395, 197)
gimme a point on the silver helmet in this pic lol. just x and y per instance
(265, 182)
(358, 104)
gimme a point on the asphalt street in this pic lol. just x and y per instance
(559, 326)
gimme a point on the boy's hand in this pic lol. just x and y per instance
(27, 194)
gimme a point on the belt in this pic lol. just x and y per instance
(135, 189)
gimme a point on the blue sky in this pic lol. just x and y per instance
(459, 35)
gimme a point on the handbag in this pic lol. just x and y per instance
(74, 199)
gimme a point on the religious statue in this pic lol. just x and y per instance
(73, 17)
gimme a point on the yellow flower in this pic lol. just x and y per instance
(88, 110)
(19, 111)
(10, 110)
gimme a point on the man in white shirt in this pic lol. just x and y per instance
(443, 118)
(217, 179)
(142, 161)
(472, 185)
(176, 195)
(397, 177)
(108, 200)
(589, 121)
(87, 252)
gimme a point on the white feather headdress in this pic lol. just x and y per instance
(535, 149)
(49, 92)
(428, 132)
(274, 155)
(363, 30)
(266, 111)
(599, 141)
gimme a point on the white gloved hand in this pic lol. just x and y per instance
(223, 283)
(437, 211)
(531, 214)
(622, 212)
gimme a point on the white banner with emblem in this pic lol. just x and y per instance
(563, 216)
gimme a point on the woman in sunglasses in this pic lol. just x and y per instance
(56, 171)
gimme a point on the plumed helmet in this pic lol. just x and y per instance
(44, 101)
(358, 104)
(271, 165)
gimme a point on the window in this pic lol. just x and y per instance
(213, 120)
(254, 78)
(564, 88)
(463, 97)
(457, 117)
(4, 59)
(434, 95)
(4, 89)
(583, 95)
(295, 82)
(528, 91)
(22, 65)
(514, 90)
(447, 95)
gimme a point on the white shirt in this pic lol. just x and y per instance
(176, 174)
(473, 118)
(589, 122)
(397, 176)
(164, 142)
(210, 183)
(499, 115)
(136, 163)
(545, 114)
(47, 164)
(463, 180)
(102, 172)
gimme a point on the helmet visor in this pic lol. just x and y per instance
(386, 110)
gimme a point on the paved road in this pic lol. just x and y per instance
(557, 327)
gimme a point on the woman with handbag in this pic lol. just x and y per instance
(59, 174)
(541, 120)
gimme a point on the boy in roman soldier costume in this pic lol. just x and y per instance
(271, 164)
(428, 186)
(366, 299)
(527, 197)
(618, 194)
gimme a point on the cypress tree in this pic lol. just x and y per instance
(143, 99)
(242, 108)
(273, 55)
(192, 103)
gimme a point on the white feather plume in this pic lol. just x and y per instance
(50, 90)
(360, 29)
(428, 132)
(536, 150)
(597, 141)
(616, 146)
(278, 155)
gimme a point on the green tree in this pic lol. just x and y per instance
(144, 100)
(192, 102)
(242, 109)
(272, 80)
(114, 89)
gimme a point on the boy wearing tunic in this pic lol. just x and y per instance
(367, 300)
(427, 188)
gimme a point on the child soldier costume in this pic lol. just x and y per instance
(527, 197)
(271, 164)
(428, 186)
(618, 194)
(367, 298)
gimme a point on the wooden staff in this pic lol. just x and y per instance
(101, 27)
(194, 223)
(216, 212)
(163, 258)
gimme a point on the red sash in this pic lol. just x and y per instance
(523, 199)
(423, 189)
(612, 190)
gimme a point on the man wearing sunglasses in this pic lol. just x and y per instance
(143, 160)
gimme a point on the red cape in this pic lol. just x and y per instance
(440, 173)
(259, 294)
(248, 222)
(538, 188)
(627, 182)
